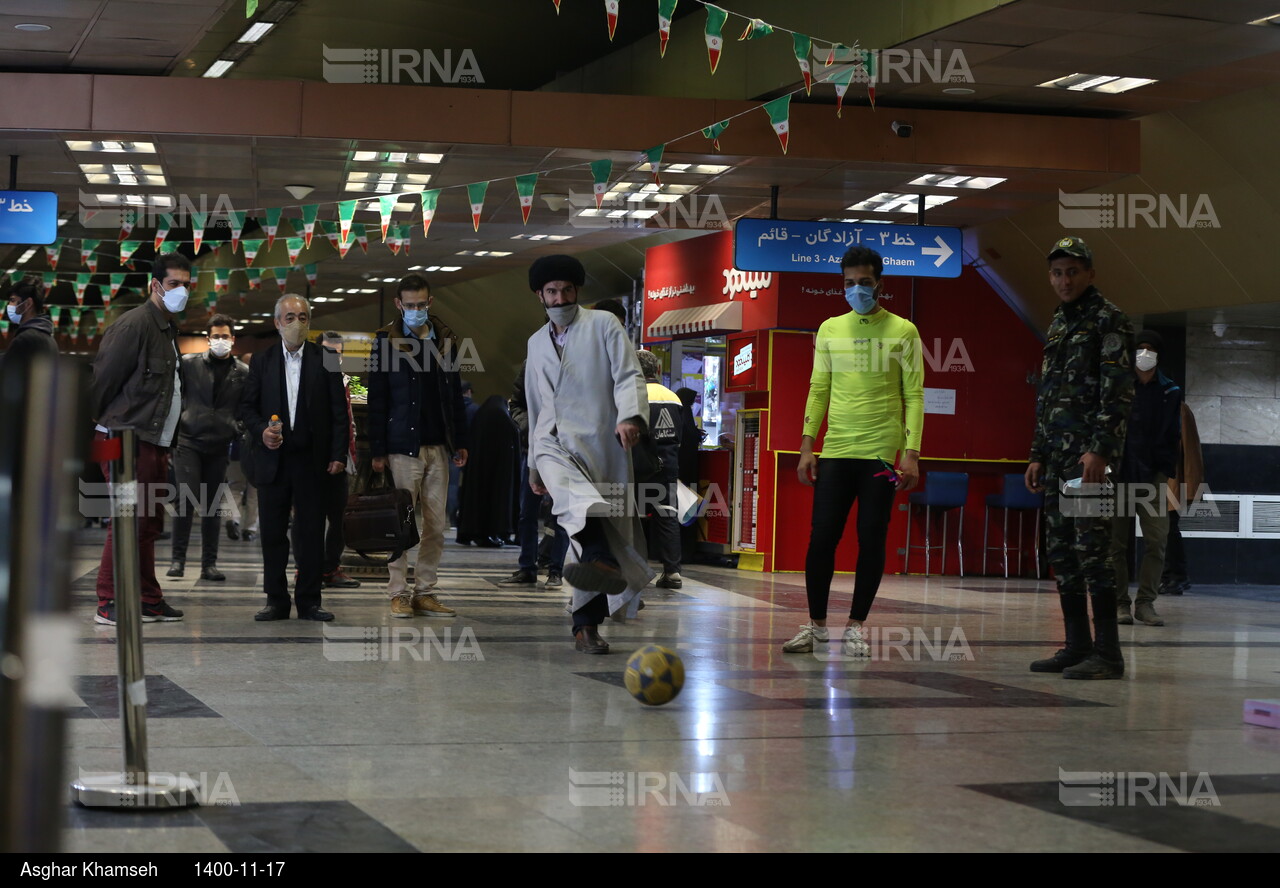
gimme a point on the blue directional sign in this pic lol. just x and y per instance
(28, 217)
(908, 250)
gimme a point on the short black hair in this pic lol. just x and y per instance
(412, 283)
(222, 320)
(466, 386)
(29, 288)
(330, 336)
(856, 256)
(614, 307)
(168, 262)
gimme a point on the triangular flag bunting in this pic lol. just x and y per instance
(89, 324)
(557, 3)
(312, 275)
(831, 55)
(841, 79)
(294, 245)
(127, 249)
(713, 35)
(429, 199)
(52, 251)
(117, 281)
(803, 46)
(89, 254)
(362, 237)
(779, 111)
(255, 278)
(82, 281)
(713, 132)
(55, 314)
(198, 221)
(344, 245)
(235, 221)
(271, 222)
(211, 302)
(655, 159)
(406, 236)
(392, 240)
(611, 12)
(169, 247)
(282, 278)
(244, 298)
(221, 279)
(386, 206)
(346, 212)
(600, 170)
(475, 196)
(869, 66)
(163, 227)
(666, 10)
(756, 28)
(49, 278)
(525, 186)
(250, 7)
(330, 230)
(126, 228)
(251, 248)
(309, 213)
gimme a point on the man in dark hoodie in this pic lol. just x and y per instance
(26, 312)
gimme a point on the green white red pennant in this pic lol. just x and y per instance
(600, 170)
(235, 221)
(117, 281)
(346, 212)
(345, 245)
(89, 324)
(198, 221)
(271, 222)
(255, 278)
(126, 228)
(294, 246)
(406, 237)
(803, 46)
(49, 279)
(251, 248)
(169, 247)
(611, 12)
(869, 65)
(221, 278)
(714, 34)
(386, 206)
(330, 230)
(430, 198)
(392, 240)
(309, 213)
(127, 249)
(655, 160)
(163, 227)
(475, 197)
(52, 251)
(211, 302)
(831, 54)
(88, 254)
(666, 11)
(282, 277)
(756, 28)
(312, 275)
(713, 132)
(557, 3)
(779, 111)
(362, 237)
(525, 186)
(82, 281)
(840, 79)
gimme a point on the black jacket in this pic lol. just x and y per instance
(133, 372)
(518, 405)
(320, 395)
(397, 364)
(1154, 431)
(206, 425)
(34, 335)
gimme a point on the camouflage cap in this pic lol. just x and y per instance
(1071, 246)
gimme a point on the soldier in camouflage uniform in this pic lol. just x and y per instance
(1082, 409)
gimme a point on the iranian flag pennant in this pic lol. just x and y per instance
(386, 206)
(362, 237)
(117, 281)
(88, 254)
(429, 199)
(756, 28)
(282, 277)
(475, 197)
(255, 278)
(211, 302)
(346, 212)
(330, 230)
(779, 113)
(163, 227)
(713, 34)
(55, 314)
(309, 213)
(294, 245)
(169, 247)
(52, 251)
(600, 170)
(221, 279)
(869, 66)
(666, 9)
(312, 275)
(82, 281)
(557, 3)
(198, 221)
(127, 249)
(655, 159)
(392, 240)
(49, 278)
(89, 324)
(344, 245)
(271, 222)
(831, 54)
(406, 235)
(251, 248)
(713, 132)
(611, 12)
(126, 228)
(803, 46)
(235, 222)
(525, 186)
(841, 80)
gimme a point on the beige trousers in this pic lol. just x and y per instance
(426, 477)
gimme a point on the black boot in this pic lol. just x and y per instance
(1106, 662)
(1075, 619)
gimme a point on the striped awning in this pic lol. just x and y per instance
(723, 317)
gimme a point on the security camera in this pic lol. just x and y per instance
(901, 129)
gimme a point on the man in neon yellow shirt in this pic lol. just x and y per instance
(868, 383)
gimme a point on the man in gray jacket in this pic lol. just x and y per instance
(136, 385)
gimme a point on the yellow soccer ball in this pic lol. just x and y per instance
(654, 675)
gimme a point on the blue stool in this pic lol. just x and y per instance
(945, 491)
(1013, 497)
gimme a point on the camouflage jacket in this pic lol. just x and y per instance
(1086, 384)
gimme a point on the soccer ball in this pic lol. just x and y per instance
(654, 675)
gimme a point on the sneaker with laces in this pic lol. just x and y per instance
(521, 577)
(671, 580)
(803, 642)
(854, 645)
(106, 614)
(425, 604)
(402, 606)
(160, 612)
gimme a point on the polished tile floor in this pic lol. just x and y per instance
(489, 732)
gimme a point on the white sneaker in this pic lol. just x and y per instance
(803, 642)
(854, 644)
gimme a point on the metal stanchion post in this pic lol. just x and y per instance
(136, 787)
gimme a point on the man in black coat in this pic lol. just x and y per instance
(33, 330)
(212, 383)
(290, 457)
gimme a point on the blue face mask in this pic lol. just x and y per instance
(14, 317)
(415, 318)
(861, 298)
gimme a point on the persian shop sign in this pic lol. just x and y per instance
(908, 250)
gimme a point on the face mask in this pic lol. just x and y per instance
(220, 347)
(562, 315)
(416, 318)
(861, 298)
(175, 300)
(14, 317)
(1146, 360)
(293, 333)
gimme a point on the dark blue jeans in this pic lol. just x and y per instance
(527, 530)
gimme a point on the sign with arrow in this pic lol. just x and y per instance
(907, 250)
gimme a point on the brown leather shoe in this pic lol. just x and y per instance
(588, 641)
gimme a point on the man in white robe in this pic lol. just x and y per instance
(587, 408)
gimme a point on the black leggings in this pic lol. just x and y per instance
(840, 483)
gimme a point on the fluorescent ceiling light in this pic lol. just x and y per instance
(395, 157)
(893, 202)
(363, 156)
(1103, 83)
(112, 147)
(432, 268)
(642, 214)
(451, 268)
(337, 298)
(591, 212)
(155, 201)
(698, 169)
(559, 237)
(499, 253)
(256, 32)
(339, 289)
(369, 290)
(27, 255)
(123, 174)
(218, 68)
(945, 180)
(319, 299)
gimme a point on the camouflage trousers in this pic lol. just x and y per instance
(1078, 550)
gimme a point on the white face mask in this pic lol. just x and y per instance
(220, 347)
(1146, 360)
(175, 300)
(562, 315)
